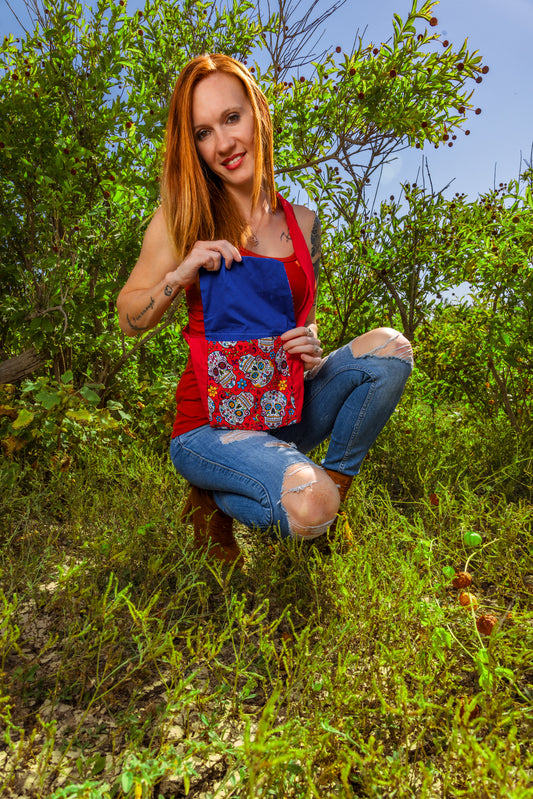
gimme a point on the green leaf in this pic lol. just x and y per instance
(126, 781)
(448, 571)
(90, 395)
(98, 764)
(441, 637)
(23, 419)
(81, 415)
(47, 399)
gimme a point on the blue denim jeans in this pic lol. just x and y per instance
(347, 399)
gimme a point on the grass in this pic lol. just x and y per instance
(133, 667)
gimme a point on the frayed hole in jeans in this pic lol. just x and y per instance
(240, 435)
(403, 350)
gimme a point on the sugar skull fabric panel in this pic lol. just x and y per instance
(250, 385)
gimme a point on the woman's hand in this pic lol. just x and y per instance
(208, 254)
(303, 341)
(157, 278)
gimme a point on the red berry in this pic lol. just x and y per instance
(460, 66)
(479, 79)
(375, 51)
(433, 21)
(445, 43)
(461, 109)
(462, 580)
(129, 123)
(424, 124)
(466, 599)
(478, 111)
(72, 171)
(352, 71)
(2, 145)
(392, 73)
(433, 498)
(338, 49)
(107, 194)
(467, 133)
(485, 70)
(486, 623)
(361, 96)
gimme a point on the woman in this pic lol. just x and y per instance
(221, 224)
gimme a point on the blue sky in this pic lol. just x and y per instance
(502, 32)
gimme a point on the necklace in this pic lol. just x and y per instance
(253, 238)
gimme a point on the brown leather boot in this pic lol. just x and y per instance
(341, 480)
(343, 483)
(213, 529)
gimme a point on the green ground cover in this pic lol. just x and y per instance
(132, 667)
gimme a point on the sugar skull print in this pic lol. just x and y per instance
(266, 343)
(273, 404)
(235, 409)
(219, 369)
(281, 361)
(259, 371)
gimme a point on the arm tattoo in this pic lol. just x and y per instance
(316, 250)
(168, 291)
(133, 322)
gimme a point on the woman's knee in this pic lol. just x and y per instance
(310, 499)
(383, 342)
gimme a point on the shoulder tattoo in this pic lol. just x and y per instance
(316, 249)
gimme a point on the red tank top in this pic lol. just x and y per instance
(190, 411)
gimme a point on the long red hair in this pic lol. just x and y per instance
(195, 201)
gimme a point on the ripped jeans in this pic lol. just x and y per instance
(347, 399)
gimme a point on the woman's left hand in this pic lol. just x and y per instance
(304, 341)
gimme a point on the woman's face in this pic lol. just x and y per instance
(223, 127)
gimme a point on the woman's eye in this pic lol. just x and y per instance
(201, 134)
(233, 118)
